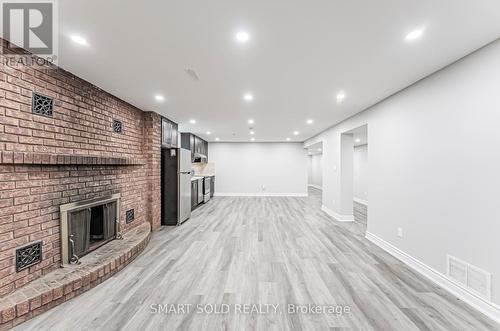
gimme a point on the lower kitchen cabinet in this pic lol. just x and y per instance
(194, 194)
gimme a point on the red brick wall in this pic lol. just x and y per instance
(152, 153)
(75, 155)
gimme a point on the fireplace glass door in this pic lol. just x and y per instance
(90, 228)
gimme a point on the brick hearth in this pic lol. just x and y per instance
(72, 280)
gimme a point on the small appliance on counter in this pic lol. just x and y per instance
(175, 186)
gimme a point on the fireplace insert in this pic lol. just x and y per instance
(87, 225)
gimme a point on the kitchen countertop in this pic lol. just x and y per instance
(201, 176)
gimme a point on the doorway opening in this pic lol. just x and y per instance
(354, 177)
(315, 170)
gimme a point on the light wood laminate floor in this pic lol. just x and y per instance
(269, 250)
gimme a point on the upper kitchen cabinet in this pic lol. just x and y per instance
(205, 149)
(175, 135)
(169, 132)
(187, 142)
(202, 150)
(197, 146)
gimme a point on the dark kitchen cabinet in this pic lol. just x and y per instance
(194, 194)
(201, 146)
(175, 135)
(196, 145)
(212, 186)
(198, 142)
(166, 133)
(204, 148)
(169, 132)
(191, 146)
(187, 142)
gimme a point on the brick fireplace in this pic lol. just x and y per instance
(65, 141)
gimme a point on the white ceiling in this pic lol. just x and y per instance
(300, 55)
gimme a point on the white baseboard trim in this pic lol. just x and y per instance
(337, 216)
(315, 186)
(361, 201)
(489, 309)
(261, 194)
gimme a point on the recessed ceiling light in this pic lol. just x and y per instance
(288, 139)
(340, 96)
(309, 121)
(159, 98)
(252, 139)
(208, 132)
(248, 97)
(79, 40)
(242, 36)
(357, 140)
(295, 133)
(252, 132)
(415, 34)
(192, 121)
(217, 139)
(251, 121)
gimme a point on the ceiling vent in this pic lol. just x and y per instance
(192, 74)
(470, 277)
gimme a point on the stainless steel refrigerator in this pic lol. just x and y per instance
(175, 186)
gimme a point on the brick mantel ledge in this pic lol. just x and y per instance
(61, 159)
(65, 283)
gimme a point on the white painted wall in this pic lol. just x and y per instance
(361, 173)
(346, 177)
(244, 168)
(434, 160)
(315, 170)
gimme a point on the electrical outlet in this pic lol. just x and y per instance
(263, 188)
(400, 232)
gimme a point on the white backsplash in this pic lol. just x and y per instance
(205, 169)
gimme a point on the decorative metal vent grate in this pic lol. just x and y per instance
(28, 255)
(129, 216)
(117, 126)
(42, 105)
